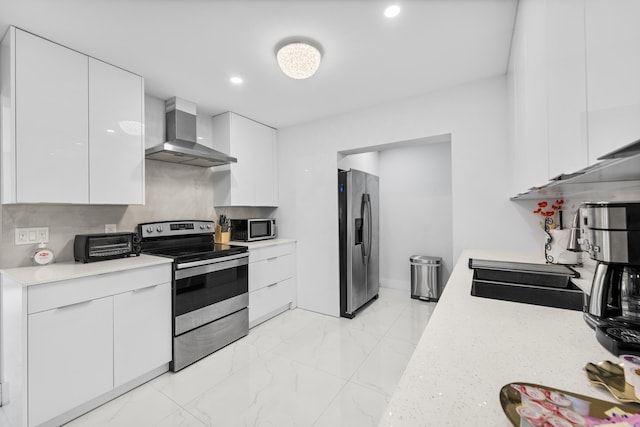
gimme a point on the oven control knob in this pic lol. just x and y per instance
(159, 229)
(208, 226)
(201, 226)
(149, 229)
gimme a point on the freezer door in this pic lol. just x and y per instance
(356, 269)
(373, 245)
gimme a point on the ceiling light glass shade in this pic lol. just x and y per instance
(298, 60)
(392, 11)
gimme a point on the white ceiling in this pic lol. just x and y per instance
(190, 48)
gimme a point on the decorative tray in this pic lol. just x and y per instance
(611, 376)
(535, 405)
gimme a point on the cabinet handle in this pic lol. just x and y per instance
(272, 258)
(73, 305)
(273, 284)
(144, 289)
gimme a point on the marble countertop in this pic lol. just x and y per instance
(262, 243)
(29, 276)
(474, 346)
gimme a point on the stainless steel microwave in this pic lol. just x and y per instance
(252, 229)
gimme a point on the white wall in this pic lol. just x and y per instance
(483, 217)
(366, 162)
(415, 210)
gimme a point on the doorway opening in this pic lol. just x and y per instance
(415, 203)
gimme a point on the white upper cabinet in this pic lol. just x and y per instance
(116, 135)
(613, 81)
(573, 76)
(253, 180)
(528, 69)
(72, 126)
(567, 98)
(51, 122)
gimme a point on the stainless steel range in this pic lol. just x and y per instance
(210, 287)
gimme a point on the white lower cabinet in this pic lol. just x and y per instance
(141, 321)
(93, 338)
(272, 285)
(70, 357)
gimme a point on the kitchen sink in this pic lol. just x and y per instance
(540, 284)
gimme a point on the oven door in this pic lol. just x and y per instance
(206, 292)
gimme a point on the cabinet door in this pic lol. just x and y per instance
(244, 135)
(70, 357)
(142, 331)
(566, 87)
(531, 164)
(116, 150)
(51, 122)
(613, 85)
(266, 169)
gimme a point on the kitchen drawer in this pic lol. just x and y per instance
(270, 300)
(269, 271)
(58, 294)
(267, 252)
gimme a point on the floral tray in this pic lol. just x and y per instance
(536, 405)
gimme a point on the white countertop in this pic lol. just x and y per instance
(474, 346)
(29, 276)
(262, 243)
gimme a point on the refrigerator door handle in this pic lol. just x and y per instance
(370, 227)
(366, 215)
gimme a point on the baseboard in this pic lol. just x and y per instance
(402, 285)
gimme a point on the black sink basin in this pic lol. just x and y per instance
(540, 284)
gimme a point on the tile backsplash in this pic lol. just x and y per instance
(173, 192)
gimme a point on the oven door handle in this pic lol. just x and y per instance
(196, 268)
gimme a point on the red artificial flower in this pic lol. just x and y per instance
(542, 204)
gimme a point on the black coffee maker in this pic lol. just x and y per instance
(611, 235)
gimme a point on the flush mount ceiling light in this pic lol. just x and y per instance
(298, 59)
(392, 11)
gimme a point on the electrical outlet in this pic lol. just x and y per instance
(109, 228)
(33, 235)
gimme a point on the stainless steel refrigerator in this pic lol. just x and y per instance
(358, 208)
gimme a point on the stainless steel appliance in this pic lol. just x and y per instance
(358, 207)
(104, 246)
(252, 229)
(210, 287)
(181, 145)
(611, 235)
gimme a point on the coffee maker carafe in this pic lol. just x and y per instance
(611, 236)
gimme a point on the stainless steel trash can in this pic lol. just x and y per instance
(425, 277)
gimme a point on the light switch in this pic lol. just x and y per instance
(30, 236)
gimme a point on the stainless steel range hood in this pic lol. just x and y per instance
(181, 146)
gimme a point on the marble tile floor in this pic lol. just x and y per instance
(300, 368)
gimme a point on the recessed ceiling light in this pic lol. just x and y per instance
(236, 80)
(392, 11)
(299, 60)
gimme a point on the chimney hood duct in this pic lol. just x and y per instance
(181, 146)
